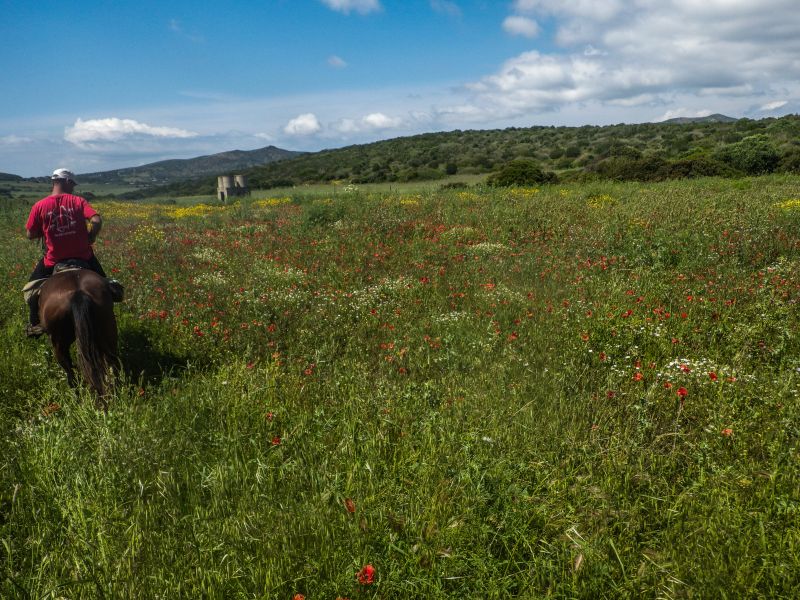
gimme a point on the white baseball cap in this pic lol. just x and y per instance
(64, 174)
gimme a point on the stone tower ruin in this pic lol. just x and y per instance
(231, 185)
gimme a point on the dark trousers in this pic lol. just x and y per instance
(42, 272)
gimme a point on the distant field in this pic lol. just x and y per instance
(31, 190)
(571, 391)
(414, 186)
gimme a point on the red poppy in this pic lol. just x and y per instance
(682, 392)
(727, 432)
(350, 505)
(366, 576)
(276, 441)
(712, 376)
(638, 376)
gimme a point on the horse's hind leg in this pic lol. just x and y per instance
(61, 350)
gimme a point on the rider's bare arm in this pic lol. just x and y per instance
(96, 225)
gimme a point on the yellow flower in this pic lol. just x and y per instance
(523, 193)
(266, 202)
(792, 204)
(198, 210)
(600, 201)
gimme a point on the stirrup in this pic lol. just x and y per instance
(33, 331)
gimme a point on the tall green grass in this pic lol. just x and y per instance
(476, 392)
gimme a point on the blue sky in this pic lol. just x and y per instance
(100, 85)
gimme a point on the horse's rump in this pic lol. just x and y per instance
(76, 306)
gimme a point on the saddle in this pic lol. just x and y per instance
(32, 289)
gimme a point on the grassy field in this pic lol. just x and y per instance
(30, 190)
(570, 392)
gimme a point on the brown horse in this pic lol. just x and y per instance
(76, 306)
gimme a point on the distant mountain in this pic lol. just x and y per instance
(171, 171)
(715, 118)
(9, 177)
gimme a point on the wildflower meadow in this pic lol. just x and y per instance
(584, 390)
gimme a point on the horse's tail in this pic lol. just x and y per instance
(91, 359)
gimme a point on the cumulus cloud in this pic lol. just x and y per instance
(774, 105)
(359, 6)
(336, 62)
(646, 53)
(305, 124)
(371, 122)
(381, 121)
(112, 129)
(524, 26)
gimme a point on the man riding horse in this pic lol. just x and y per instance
(69, 226)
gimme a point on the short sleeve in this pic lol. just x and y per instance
(88, 211)
(34, 224)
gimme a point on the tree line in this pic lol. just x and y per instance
(643, 152)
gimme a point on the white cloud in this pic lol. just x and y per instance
(446, 7)
(774, 105)
(635, 53)
(590, 50)
(381, 121)
(594, 10)
(14, 140)
(336, 62)
(112, 129)
(524, 26)
(305, 124)
(346, 126)
(371, 122)
(360, 6)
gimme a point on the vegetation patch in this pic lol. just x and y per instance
(585, 390)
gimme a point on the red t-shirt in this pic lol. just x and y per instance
(62, 221)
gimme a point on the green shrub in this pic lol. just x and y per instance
(754, 155)
(790, 162)
(522, 172)
(700, 165)
(649, 168)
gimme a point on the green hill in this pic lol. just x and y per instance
(175, 170)
(647, 151)
(715, 118)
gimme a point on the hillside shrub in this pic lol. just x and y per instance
(521, 172)
(649, 168)
(700, 165)
(790, 162)
(454, 185)
(754, 155)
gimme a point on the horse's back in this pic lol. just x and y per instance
(76, 305)
(58, 293)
